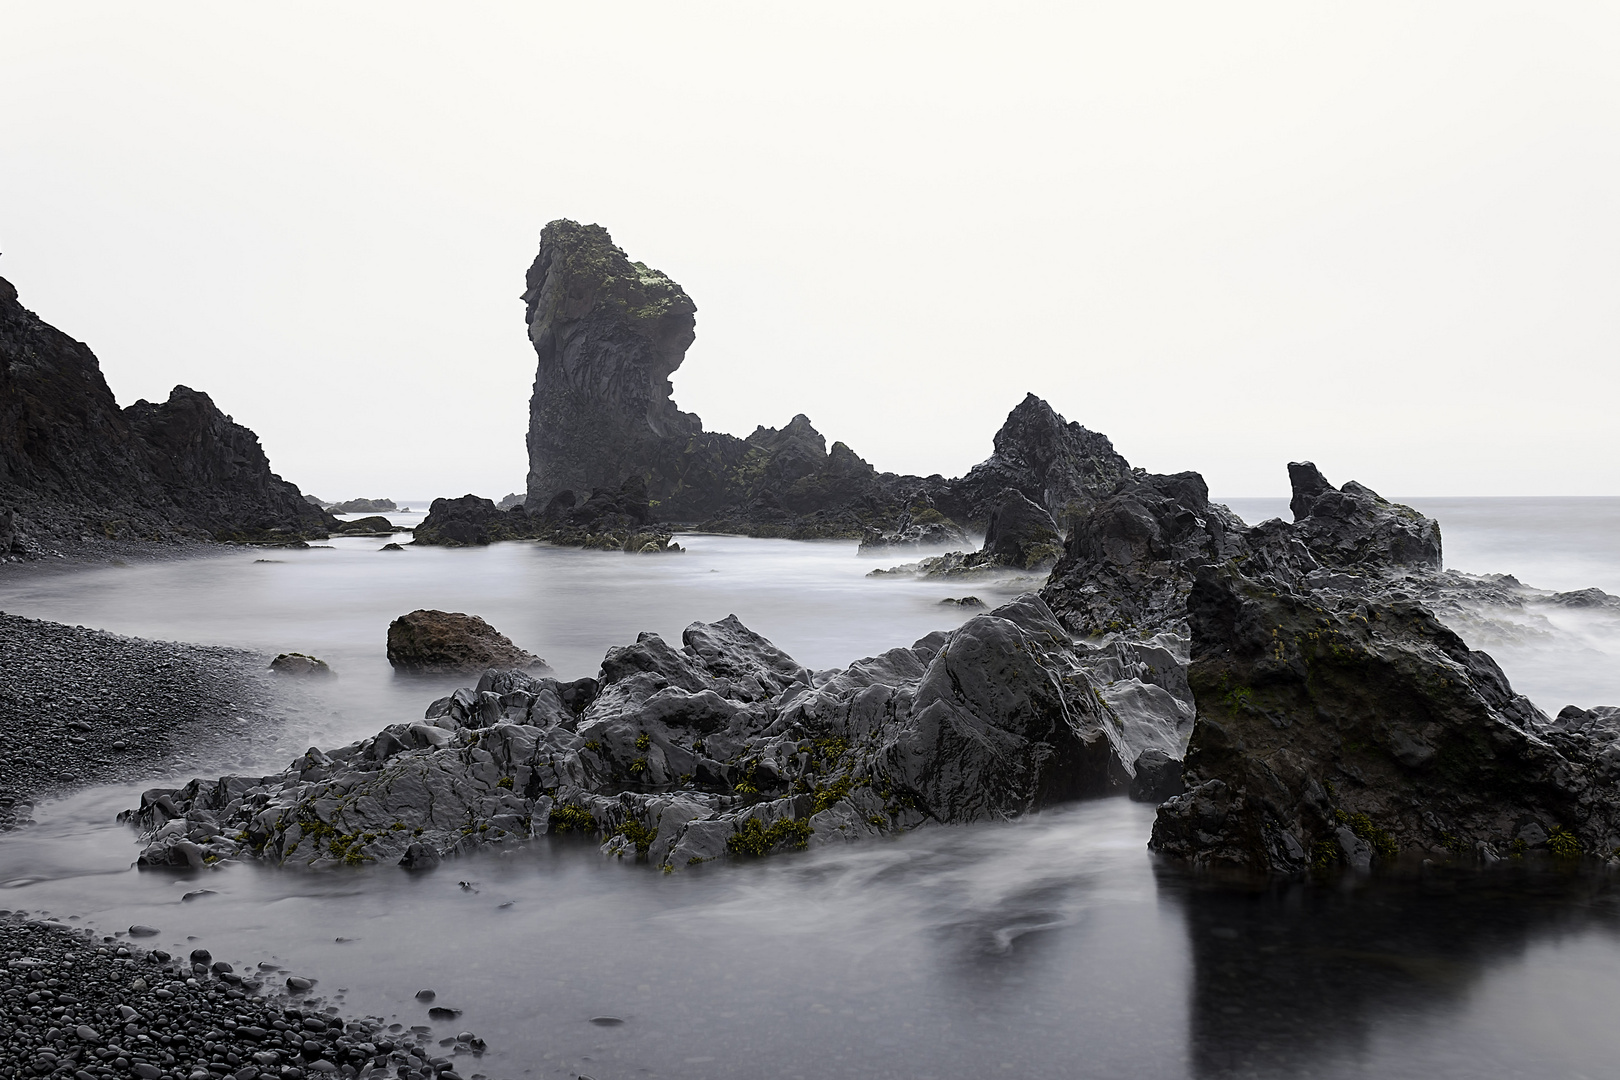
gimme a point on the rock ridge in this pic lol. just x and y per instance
(73, 465)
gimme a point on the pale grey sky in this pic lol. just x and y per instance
(1381, 236)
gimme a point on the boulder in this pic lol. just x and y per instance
(300, 665)
(446, 642)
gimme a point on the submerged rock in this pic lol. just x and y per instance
(448, 642)
(722, 747)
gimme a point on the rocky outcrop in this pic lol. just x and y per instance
(470, 521)
(1129, 558)
(1339, 722)
(1337, 728)
(606, 521)
(364, 506)
(448, 642)
(1021, 533)
(925, 528)
(608, 333)
(1354, 526)
(73, 463)
(376, 525)
(1052, 462)
(721, 747)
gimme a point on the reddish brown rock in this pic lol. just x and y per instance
(449, 642)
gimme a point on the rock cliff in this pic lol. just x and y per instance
(73, 463)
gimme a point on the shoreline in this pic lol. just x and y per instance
(78, 1002)
(80, 707)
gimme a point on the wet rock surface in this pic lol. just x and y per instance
(81, 706)
(449, 642)
(81, 1004)
(721, 747)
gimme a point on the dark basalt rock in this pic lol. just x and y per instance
(1354, 729)
(1050, 461)
(1158, 777)
(608, 333)
(1354, 526)
(72, 462)
(367, 526)
(451, 643)
(1130, 556)
(722, 745)
(1021, 533)
(363, 506)
(470, 521)
(1579, 598)
(1021, 536)
(300, 665)
(923, 528)
(606, 520)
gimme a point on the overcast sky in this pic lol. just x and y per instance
(1383, 237)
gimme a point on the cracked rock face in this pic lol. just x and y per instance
(721, 747)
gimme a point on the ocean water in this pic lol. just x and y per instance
(1050, 947)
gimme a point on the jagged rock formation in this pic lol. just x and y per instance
(1129, 557)
(1338, 720)
(1339, 727)
(72, 462)
(449, 642)
(608, 333)
(1050, 461)
(723, 746)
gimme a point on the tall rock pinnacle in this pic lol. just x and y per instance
(608, 334)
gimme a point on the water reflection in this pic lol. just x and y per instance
(1415, 978)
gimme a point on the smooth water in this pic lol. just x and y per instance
(1052, 947)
